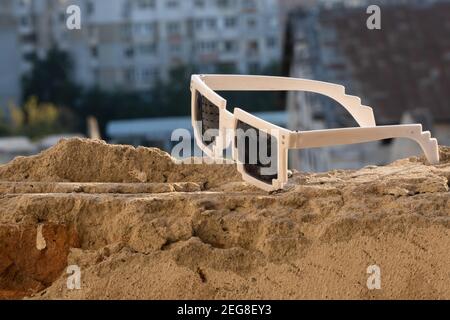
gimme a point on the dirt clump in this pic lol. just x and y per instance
(140, 226)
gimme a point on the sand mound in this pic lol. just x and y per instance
(78, 160)
(198, 231)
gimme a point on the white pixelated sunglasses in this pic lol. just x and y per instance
(209, 113)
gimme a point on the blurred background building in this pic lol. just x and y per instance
(128, 68)
(130, 44)
(402, 71)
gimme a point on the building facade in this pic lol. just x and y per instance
(26, 29)
(133, 42)
(129, 44)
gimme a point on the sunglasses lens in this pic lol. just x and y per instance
(207, 118)
(257, 151)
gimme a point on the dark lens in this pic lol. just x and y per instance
(257, 151)
(208, 116)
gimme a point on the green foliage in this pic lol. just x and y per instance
(37, 120)
(257, 101)
(172, 98)
(50, 79)
(107, 105)
(51, 82)
(5, 129)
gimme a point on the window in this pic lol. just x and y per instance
(29, 56)
(249, 5)
(148, 75)
(144, 28)
(223, 3)
(211, 23)
(230, 22)
(24, 21)
(129, 52)
(147, 49)
(175, 48)
(199, 3)
(271, 42)
(208, 23)
(94, 52)
(173, 28)
(129, 75)
(207, 46)
(172, 3)
(96, 74)
(138, 28)
(230, 46)
(198, 24)
(146, 4)
(253, 46)
(252, 23)
(126, 31)
(24, 3)
(29, 38)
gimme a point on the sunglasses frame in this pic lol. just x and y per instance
(288, 139)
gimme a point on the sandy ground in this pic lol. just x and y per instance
(140, 226)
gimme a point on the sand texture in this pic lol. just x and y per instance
(140, 226)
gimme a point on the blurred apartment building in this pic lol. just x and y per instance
(20, 23)
(128, 44)
(402, 71)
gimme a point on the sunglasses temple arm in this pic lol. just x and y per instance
(332, 137)
(363, 115)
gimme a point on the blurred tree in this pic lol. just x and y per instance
(107, 105)
(41, 119)
(172, 97)
(5, 129)
(260, 100)
(50, 79)
(50, 82)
